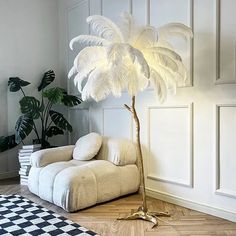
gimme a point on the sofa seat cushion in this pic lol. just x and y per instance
(80, 163)
(75, 185)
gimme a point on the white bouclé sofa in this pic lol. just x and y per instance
(74, 184)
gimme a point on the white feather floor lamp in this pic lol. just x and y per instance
(129, 57)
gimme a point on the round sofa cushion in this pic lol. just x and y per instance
(87, 147)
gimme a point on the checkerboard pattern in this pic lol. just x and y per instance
(20, 216)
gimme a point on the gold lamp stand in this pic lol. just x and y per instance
(142, 212)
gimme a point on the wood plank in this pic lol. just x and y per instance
(102, 218)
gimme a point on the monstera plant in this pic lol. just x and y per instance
(39, 116)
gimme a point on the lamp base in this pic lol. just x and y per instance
(145, 215)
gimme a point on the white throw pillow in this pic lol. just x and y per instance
(87, 147)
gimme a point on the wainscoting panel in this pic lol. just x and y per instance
(225, 42)
(76, 15)
(226, 149)
(170, 144)
(139, 11)
(113, 9)
(117, 122)
(79, 119)
(76, 19)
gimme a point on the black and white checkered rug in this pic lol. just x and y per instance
(20, 216)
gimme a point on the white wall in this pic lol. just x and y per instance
(28, 47)
(189, 142)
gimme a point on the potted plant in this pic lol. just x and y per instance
(49, 121)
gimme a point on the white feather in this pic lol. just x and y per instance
(135, 81)
(182, 75)
(97, 86)
(102, 87)
(118, 53)
(105, 28)
(80, 78)
(132, 81)
(89, 58)
(74, 68)
(165, 51)
(159, 85)
(168, 77)
(118, 78)
(87, 61)
(175, 29)
(139, 59)
(72, 72)
(129, 69)
(170, 60)
(146, 37)
(128, 27)
(88, 40)
(163, 43)
(154, 57)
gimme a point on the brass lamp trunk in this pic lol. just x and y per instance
(142, 212)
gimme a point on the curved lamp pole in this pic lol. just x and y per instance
(142, 212)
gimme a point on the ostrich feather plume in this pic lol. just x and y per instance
(127, 56)
(88, 40)
(105, 28)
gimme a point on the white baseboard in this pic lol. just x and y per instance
(10, 174)
(211, 210)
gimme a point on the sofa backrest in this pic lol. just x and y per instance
(118, 151)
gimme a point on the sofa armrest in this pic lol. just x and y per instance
(47, 156)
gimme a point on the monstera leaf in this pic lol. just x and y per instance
(31, 106)
(54, 130)
(47, 79)
(70, 100)
(16, 83)
(54, 95)
(23, 128)
(60, 121)
(3, 144)
(7, 143)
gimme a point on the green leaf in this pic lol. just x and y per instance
(70, 100)
(60, 121)
(23, 128)
(3, 144)
(47, 79)
(16, 83)
(7, 143)
(54, 130)
(54, 95)
(45, 144)
(31, 106)
(42, 107)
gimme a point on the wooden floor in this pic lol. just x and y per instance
(102, 218)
